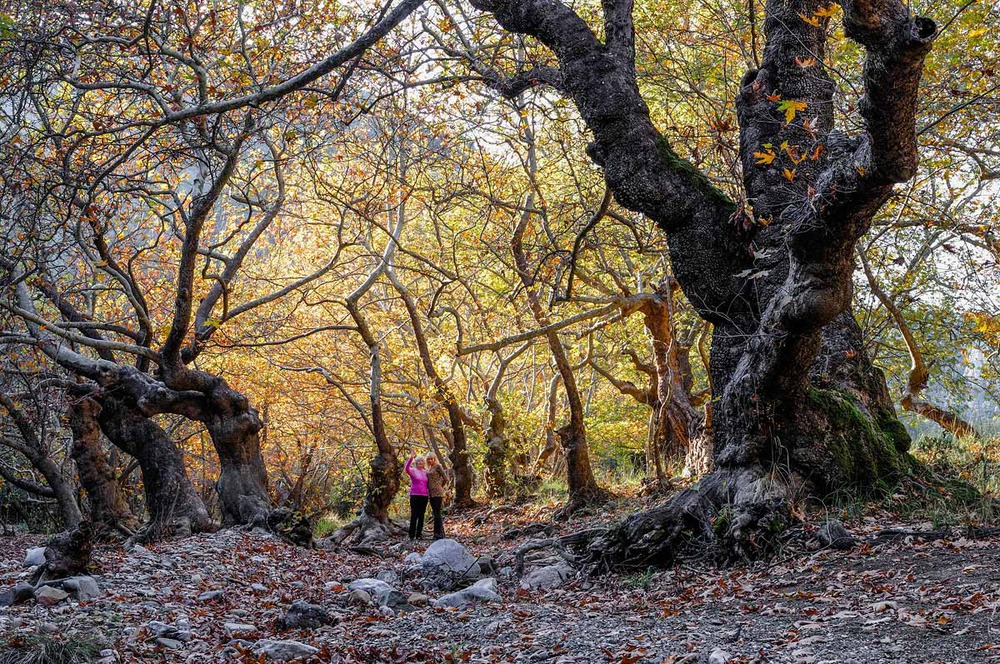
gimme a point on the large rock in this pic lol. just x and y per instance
(484, 590)
(283, 650)
(303, 615)
(239, 630)
(381, 592)
(50, 596)
(834, 535)
(550, 576)
(451, 555)
(34, 556)
(17, 594)
(83, 588)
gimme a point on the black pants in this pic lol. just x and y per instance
(438, 519)
(418, 505)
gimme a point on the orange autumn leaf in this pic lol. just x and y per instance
(789, 174)
(764, 158)
(805, 62)
(811, 20)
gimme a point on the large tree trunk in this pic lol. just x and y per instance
(795, 411)
(234, 427)
(174, 506)
(108, 510)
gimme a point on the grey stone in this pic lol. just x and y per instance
(163, 629)
(382, 592)
(83, 588)
(550, 576)
(388, 576)
(17, 594)
(451, 555)
(283, 650)
(418, 599)
(34, 556)
(170, 644)
(210, 595)
(484, 590)
(834, 535)
(239, 630)
(303, 615)
(359, 597)
(50, 596)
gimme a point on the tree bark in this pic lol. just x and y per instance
(174, 506)
(497, 450)
(769, 278)
(108, 510)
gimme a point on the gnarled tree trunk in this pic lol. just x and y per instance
(108, 510)
(174, 506)
(770, 278)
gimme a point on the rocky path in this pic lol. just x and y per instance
(227, 597)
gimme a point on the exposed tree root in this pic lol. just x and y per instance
(594, 498)
(363, 531)
(738, 514)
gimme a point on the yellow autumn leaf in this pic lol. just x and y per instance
(791, 107)
(825, 12)
(764, 158)
(789, 174)
(811, 20)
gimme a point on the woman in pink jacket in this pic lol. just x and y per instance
(418, 495)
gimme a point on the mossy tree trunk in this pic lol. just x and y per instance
(773, 274)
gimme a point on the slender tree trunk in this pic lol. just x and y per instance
(919, 371)
(551, 443)
(174, 506)
(108, 511)
(583, 487)
(460, 462)
(497, 450)
(679, 430)
(35, 451)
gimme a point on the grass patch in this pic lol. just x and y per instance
(23, 648)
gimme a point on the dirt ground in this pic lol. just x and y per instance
(900, 602)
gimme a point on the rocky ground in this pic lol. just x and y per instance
(246, 596)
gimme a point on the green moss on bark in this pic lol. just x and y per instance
(865, 451)
(676, 163)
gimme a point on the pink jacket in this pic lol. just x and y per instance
(418, 479)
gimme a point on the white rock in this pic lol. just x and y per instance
(484, 590)
(718, 656)
(83, 588)
(449, 553)
(382, 592)
(34, 556)
(283, 650)
(550, 576)
(412, 558)
(239, 630)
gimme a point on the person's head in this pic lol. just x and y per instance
(419, 462)
(431, 461)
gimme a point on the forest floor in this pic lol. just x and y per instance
(902, 601)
